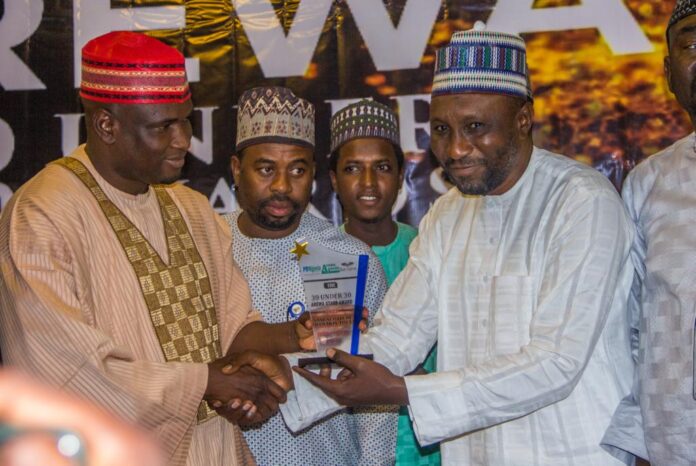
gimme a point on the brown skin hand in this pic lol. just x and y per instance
(259, 393)
(256, 347)
(277, 369)
(680, 64)
(286, 337)
(364, 382)
(367, 181)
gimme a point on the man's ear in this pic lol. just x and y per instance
(525, 119)
(236, 166)
(401, 176)
(104, 125)
(332, 177)
(668, 72)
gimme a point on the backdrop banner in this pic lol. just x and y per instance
(596, 71)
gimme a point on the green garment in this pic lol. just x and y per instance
(394, 255)
(408, 451)
(393, 258)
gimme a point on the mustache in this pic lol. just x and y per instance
(279, 198)
(449, 162)
(463, 162)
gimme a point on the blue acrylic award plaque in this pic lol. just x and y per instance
(334, 285)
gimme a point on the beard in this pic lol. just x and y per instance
(271, 223)
(495, 170)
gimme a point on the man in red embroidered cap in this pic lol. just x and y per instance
(122, 289)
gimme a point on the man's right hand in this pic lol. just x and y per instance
(276, 368)
(251, 389)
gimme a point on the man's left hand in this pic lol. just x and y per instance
(304, 332)
(364, 382)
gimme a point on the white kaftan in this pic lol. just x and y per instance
(526, 295)
(660, 194)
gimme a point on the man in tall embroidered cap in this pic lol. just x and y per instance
(366, 167)
(658, 420)
(122, 289)
(520, 272)
(273, 171)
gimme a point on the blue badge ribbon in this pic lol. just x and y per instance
(295, 310)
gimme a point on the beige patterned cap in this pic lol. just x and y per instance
(274, 114)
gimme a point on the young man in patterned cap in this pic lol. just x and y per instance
(123, 290)
(520, 272)
(367, 170)
(658, 422)
(273, 171)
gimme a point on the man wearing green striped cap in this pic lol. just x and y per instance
(521, 274)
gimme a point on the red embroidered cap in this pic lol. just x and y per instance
(132, 68)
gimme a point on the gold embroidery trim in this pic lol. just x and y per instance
(178, 296)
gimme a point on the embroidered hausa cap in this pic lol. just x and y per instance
(682, 9)
(274, 114)
(481, 61)
(364, 119)
(132, 68)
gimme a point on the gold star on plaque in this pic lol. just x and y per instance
(300, 249)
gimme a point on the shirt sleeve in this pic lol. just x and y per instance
(306, 404)
(375, 425)
(624, 438)
(408, 320)
(584, 259)
(47, 330)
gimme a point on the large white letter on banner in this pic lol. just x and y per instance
(18, 23)
(7, 144)
(5, 195)
(202, 148)
(278, 55)
(92, 18)
(70, 131)
(408, 126)
(395, 48)
(611, 17)
(222, 198)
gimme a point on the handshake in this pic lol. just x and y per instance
(246, 388)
